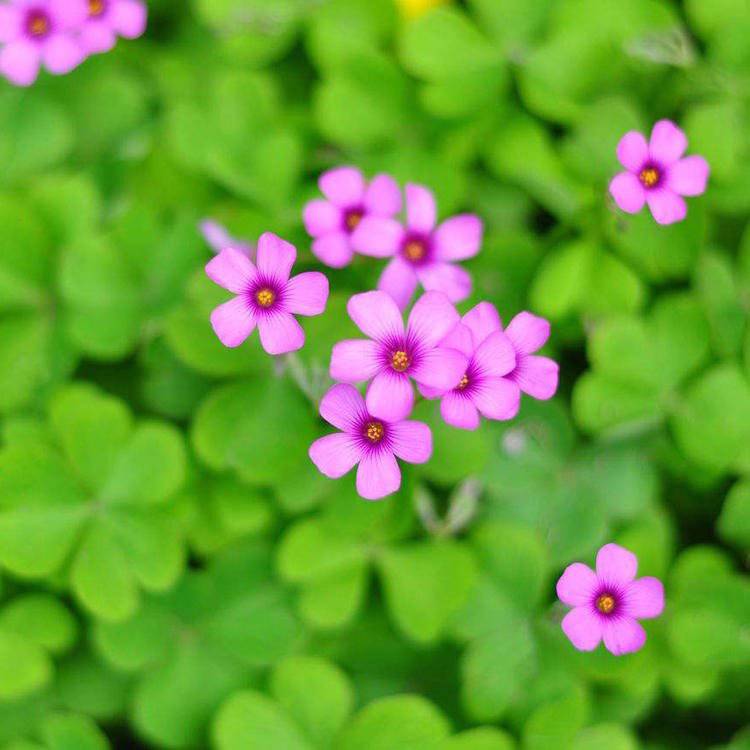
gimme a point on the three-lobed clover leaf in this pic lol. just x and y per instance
(191, 648)
(92, 502)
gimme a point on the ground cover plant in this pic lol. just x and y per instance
(374, 374)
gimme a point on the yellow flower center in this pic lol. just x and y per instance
(400, 361)
(605, 603)
(96, 7)
(265, 297)
(414, 250)
(38, 24)
(352, 220)
(374, 432)
(463, 382)
(649, 176)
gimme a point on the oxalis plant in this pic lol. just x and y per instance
(334, 343)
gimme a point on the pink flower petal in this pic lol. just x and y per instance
(458, 411)
(336, 454)
(411, 441)
(458, 238)
(632, 151)
(233, 322)
(306, 293)
(497, 398)
(432, 318)
(97, 37)
(68, 14)
(577, 585)
(622, 635)
(343, 407)
(628, 192)
(10, 23)
(383, 196)
(440, 368)
(399, 281)
(334, 250)
(321, 217)
(129, 18)
(460, 338)
(429, 392)
(583, 628)
(644, 598)
(280, 333)
(528, 332)
(232, 270)
(668, 142)
(482, 320)
(355, 360)
(451, 280)
(20, 62)
(378, 475)
(688, 176)
(275, 257)
(390, 396)
(376, 315)
(215, 234)
(536, 376)
(343, 186)
(377, 237)
(666, 207)
(496, 355)
(615, 565)
(421, 212)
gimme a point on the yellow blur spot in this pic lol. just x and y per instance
(411, 9)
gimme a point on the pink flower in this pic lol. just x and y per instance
(266, 296)
(656, 174)
(108, 19)
(40, 32)
(536, 376)
(336, 222)
(394, 354)
(422, 253)
(368, 440)
(608, 604)
(482, 388)
(219, 239)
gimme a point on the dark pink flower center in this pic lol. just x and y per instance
(463, 384)
(606, 603)
(415, 249)
(650, 175)
(263, 295)
(400, 360)
(352, 217)
(38, 23)
(607, 600)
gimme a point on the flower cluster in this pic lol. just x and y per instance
(61, 34)
(360, 217)
(471, 364)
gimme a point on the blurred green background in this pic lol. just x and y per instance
(175, 574)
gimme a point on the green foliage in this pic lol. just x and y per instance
(175, 572)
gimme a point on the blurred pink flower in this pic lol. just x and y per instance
(608, 603)
(266, 296)
(219, 239)
(482, 389)
(394, 354)
(108, 19)
(422, 253)
(657, 174)
(536, 376)
(369, 440)
(336, 222)
(40, 32)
